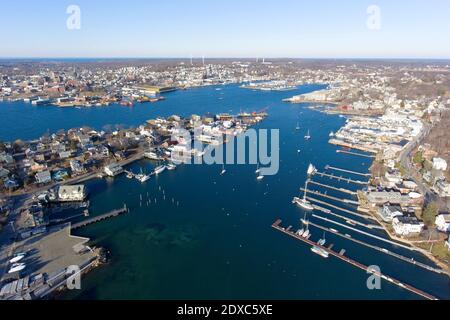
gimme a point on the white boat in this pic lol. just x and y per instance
(306, 234)
(297, 127)
(151, 156)
(159, 169)
(223, 170)
(260, 177)
(311, 170)
(331, 134)
(171, 166)
(308, 136)
(258, 170)
(17, 268)
(142, 177)
(304, 204)
(16, 259)
(321, 252)
(129, 175)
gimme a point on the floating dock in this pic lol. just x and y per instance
(341, 209)
(382, 250)
(330, 197)
(353, 193)
(356, 154)
(348, 220)
(348, 180)
(341, 256)
(348, 171)
(112, 214)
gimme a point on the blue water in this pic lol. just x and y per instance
(214, 240)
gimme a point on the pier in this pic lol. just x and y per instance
(109, 215)
(366, 233)
(353, 193)
(341, 209)
(356, 154)
(330, 197)
(348, 220)
(382, 250)
(348, 171)
(356, 264)
(348, 180)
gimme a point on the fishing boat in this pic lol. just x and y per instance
(320, 251)
(159, 169)
(308, 136)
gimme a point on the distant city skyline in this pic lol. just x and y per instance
(229, 29)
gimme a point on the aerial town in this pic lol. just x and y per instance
(397, 114)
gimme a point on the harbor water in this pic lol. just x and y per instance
(195, 234)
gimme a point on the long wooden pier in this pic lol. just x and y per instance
(341, 256)
(382, 250)
(353, 193)
(112, 214)
(348, 180)
(348, 171)
(330, 197)
(356, 154)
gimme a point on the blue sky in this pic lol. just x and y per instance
(231, 28)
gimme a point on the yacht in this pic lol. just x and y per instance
(320, 251)
(171, 166)
(302, 202)
(16, 259)
(160, 169)
(311, 170)
(142, 177)
(17, 268)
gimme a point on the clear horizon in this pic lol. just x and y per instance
(289, 29)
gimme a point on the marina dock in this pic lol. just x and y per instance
(382, 250)
(109, 215)
(356, 264)
(348, 180)
(348, 171)
(356, 154)
(348, 220)
(341, 209)
(330, 197)
(353, 193)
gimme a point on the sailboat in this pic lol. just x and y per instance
(258, 170)
(223, 170)
(311, 170)
(308, 136)
(297, 127)
(302, 202)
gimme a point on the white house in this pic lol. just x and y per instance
(405, 226)
(439, 164)
(72, 193)
(443, 222)
(442, 188)
(113, 170)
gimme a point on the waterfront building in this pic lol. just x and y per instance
(439, 164)
(72, 193)
(388, 213)
(406, 226)
(113, 170)
(443, 222)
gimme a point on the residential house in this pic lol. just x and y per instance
(388, 212)
(439, 164)
(442, 188)
(72, 193)
(406, 226)
(43, 177)
(443, 222)
(113, 170)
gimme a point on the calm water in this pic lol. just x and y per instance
(209, 236)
